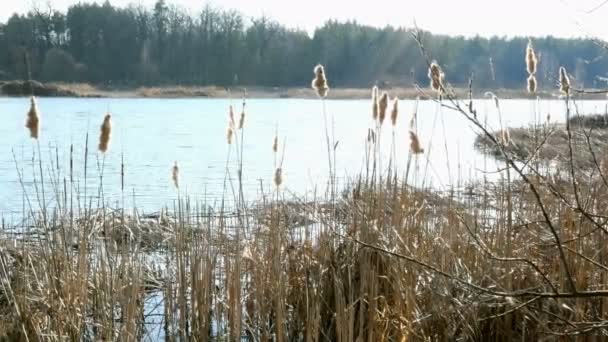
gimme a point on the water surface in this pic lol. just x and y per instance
(150, 134)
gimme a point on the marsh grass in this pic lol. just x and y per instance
(379, 259)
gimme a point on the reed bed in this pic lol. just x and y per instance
(381, 258)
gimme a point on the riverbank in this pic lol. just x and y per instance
(24, 88)
(549, 142)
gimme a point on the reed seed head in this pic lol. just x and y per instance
(33, 119)
(275, 144)
(564, 81)
(371, 136)
(175, 175)
(231, 115)
(105, 134)
(382, 106)
(229, 134)
(532, 85)
(436, 77)
(531, 60)
(278, 177)
(395, 111)
(242, 120)
(375, 103)
(494, 98)
(415, 146)
(319, 83)
(506, 136)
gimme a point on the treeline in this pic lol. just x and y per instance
(108, 45)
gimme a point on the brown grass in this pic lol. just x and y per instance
(549, 143)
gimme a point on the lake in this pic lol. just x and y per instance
(150, 134)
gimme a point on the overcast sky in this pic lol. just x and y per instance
(561, 18)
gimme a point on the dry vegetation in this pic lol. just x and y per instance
(523, 258)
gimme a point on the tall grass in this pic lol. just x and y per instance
(380, 259)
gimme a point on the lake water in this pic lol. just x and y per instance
(150, 134)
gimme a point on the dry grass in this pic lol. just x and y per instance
(306, 271)
(549, 142)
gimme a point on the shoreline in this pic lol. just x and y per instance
(83, 90)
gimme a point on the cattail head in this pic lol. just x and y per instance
(278, 177)
(564, 81)
(382, 106)
(506, 136)
(531, 60)
(242, 120)
(532, 84)
(175, 175)
(319, 83)
(33, 119)
(494, 98)
(415, 146)
(275, 144)
(105, 134)
(371, 136)
(395, 111)
(231, 116)
(436, 77)
(375, 103)
(229, 134)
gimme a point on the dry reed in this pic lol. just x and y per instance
(436, 77)
(382, 107)
(319, 83)
(564, 81)
(229, 135)
(531, 60)
(175, 175)
(395, 111)
(278, 177)
(531, 84)
(33, 119)
(105, 133)
(415, 146)
(242, 120)
(375, 103)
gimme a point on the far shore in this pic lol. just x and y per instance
(23, 88)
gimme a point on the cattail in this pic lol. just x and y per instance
(414, 119)
(395, 111)
(33, 119)
(531, 60)
(436, 76)
(229, 133)
(242, 120)
(106, 131)
(371, 136)
(564, 81)
(175, 175)
(275, 144)
(278, 177)
(375, 103)
(494, 98)
(531, 84)
(382, 105)
(415, 146)
(319, 83)
(231, 115)
(506, 136)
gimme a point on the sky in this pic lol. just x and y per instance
(560, 18)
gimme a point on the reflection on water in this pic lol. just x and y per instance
(150, 134)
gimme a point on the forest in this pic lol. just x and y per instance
(167, 45)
